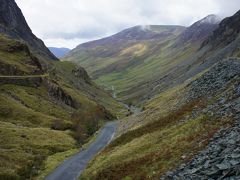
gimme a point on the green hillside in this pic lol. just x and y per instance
(172, 129)
(41, 109)
(140, 62)
(191, 113)
(173, 93)
(127, 59)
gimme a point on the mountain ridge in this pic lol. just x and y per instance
(137, 61)
(200, 29)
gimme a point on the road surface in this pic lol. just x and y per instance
(72, 168)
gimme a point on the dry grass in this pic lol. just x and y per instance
(157, 125)
(152, 154)
(148, 151)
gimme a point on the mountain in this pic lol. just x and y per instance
(59, 52)
(200, 29)
(112, 61)
(140, 62)
(122, 49)
(227, 32)
(189, 130)
(48, 108)
(13, 23)
(183, 84)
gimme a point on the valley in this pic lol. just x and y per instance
(141, 61)
(189, 97)
(149, 102)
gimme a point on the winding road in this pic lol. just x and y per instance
(72, 168)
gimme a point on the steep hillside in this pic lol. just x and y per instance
(174, 127)
(227, 32)
(191, 128)
(200, 30)
(37, 105)
(138, 68)
(13, 23)
(59, 52)
(47, 107)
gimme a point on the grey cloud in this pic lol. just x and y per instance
(82, 34)
(76, 21)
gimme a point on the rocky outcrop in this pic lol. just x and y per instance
(227, 32)
(14, 48)
(59, 95)
(81, 73)
(13, 23)
(221, 158)
(200, 30)
(214, 79)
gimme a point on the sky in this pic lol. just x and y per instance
(67, 23)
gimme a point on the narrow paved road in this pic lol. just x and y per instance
(72, 168)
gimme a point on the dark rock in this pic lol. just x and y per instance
(234, 162)
(223, 166)
(33, 63)
(60, 95)
(221, 158)
(200, 30)
(227, 32)
(81, 73)
(13, 23)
